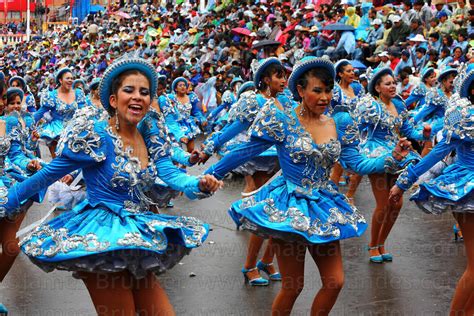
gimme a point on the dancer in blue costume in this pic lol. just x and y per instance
(270, 80)
(302, 209)
(19, 82)
(61, 104)
(187, 103)
(216, 118)
(382, 119)
(453, 190)
(13, 151)
(345, 97)
(432, 112)
(417, 97)
(112, 240)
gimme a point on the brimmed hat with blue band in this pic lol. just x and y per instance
(303, 66)
(446, 72)
(257, 77)
(465, 84)
(341, 63)
(244, 87)
(61, 72)
(120, 66)
(379, 74)
(426, 73)
(178, 80)
(15, 90)
(20, 79)
(94, 84)
(75, 82)
(236, 80)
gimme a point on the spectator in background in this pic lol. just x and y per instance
(446, 27)
(420, 58)
(405, 62)
(398, 33)
(423, 13)
(416, 28)
(408, 13)
(404, 87)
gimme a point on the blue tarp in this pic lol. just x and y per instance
(81, 9)
(96, 8)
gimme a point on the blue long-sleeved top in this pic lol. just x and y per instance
(303, 162)
(458, 136)
(189, 110)
(435, 106)
(244, 114)
(59, 109)
(114, 179)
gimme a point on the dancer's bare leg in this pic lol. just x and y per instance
(354, 182)
(378, 182)
(9, 243)
(150, 298)
(111, 293)
(462, 302)
(190, 146)
(290, 257)
(328, 258)
(336, 173)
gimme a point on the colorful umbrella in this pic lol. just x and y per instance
(123, 14)
(241, 31)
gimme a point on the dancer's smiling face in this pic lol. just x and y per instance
(66, 80)
(315, 89)
(386, 87)
(132, 98)
(14, 104)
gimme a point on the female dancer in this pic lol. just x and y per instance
(17, 163)
(93, 99)
(417, 97)
(302, 209)
(61, 103)
(453, 190)
(432, 112)
(270, 80)
(381, 116)
(111, 240)
(187, 104)
(346, 95)
(19, 82)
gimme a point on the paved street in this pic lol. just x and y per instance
(420, 281)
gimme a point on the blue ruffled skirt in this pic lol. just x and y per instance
(374, 148)
(107, 238)
(285, 211)
(189, 128)
(452, 191)
(51, 130)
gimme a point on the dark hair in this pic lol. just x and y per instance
(12, 97)
(273, 69)
(471, 95)
(117, 83)
(446, 50)
(319, 73)
(3, 87)
(408, 3)
(340, 69)
(379, 80)
(434, 35)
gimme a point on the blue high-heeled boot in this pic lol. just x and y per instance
(264, 267)
(254, 282)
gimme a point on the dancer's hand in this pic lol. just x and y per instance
(204, 124)
(395, 194)
(67, 179)
(35, 135)
(426, 131)
(203, 158)
(195, 157)
(184, 140)
(34, 165)
(402, 149)
(209, 183)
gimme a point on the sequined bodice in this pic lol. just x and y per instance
(116, 177)
(60, 110)
(303, 162)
